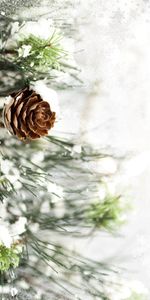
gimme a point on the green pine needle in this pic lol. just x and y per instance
(8, 258)
(44, 54)
(6, 188)
(106, 214)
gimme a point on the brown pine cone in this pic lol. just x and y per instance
(27, 115)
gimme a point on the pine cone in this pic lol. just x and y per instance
(27, 115)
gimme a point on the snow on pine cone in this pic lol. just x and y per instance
(27, 115)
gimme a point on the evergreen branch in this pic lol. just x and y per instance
(40, 61)
(71, 265)
(73, 221)
(94, 214)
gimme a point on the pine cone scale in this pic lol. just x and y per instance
(33, 128)
(7, 118)
(14, 119)
(19, 108)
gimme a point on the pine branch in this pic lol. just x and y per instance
(36, 58)
(79, 218)
(68, 265)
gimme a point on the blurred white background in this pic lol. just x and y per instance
(112, 111)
